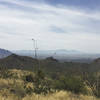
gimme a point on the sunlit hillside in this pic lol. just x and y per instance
(14, 87)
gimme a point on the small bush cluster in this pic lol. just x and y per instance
(4, 72)
(73, 84)
(42, 84)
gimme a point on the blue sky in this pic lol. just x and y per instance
(78, 3)
(55, 24)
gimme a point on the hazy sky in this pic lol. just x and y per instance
(55, 24)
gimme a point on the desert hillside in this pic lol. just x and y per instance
(20, 85)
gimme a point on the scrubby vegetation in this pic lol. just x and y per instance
(49, 79)
(26, 85)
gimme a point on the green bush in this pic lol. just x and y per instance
(73, 84)
(41, 83)
(4, 72)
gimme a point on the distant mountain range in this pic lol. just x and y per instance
(4, 53)
(11, 60)
(59, 51)
(48, 53)
(61, 54)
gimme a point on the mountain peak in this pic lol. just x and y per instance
(4, 53)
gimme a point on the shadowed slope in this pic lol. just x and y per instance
(19, 62)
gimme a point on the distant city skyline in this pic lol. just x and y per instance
(55, 24)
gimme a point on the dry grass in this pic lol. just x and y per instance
(19, 73)
(13, 89)
(59, 96)
(56, 96)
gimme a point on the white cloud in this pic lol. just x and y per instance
(34, 20)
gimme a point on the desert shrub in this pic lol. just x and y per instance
(93, 81)
(29, 78)
(73, 84)
(4, 72)
(39, 83)
(29, 88)
(42, 84)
